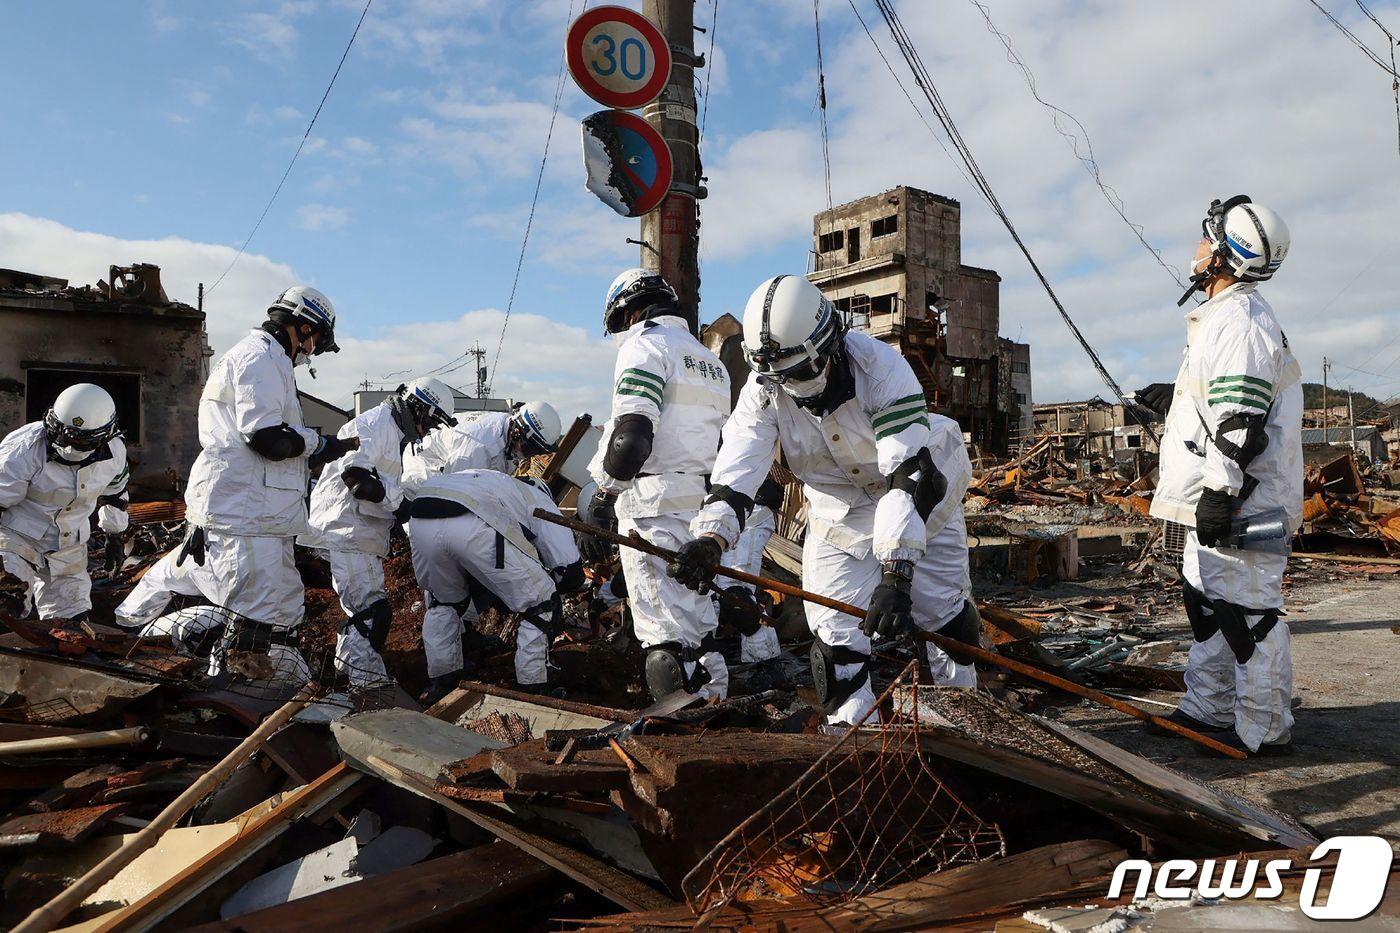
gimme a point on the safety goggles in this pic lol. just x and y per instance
(86, 440)
(768, 365)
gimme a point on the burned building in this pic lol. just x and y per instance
(892, 263)
(125, 335)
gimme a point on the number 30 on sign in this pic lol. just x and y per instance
(618, 57)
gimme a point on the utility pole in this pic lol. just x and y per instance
(1325, 365)
(671, 233)
(478, 354)
(1351, 416)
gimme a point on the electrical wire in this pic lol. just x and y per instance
(821, 106)
(1380, 63)
(1395, 77)
(925, 82)
(295, 155)
(709, 70)
(534, 202)
(1086, 158)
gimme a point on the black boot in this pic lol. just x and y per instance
(768, 674)
(439, 687)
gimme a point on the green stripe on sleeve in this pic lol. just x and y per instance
(647, 394)
(889, 416)
(1265, 384)
(893, 429)
(1236, 399)
(644, 376)
(1241, 390)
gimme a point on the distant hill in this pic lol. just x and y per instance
(1312, 398)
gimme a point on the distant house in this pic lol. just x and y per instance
(322, 415)
(1368, 440)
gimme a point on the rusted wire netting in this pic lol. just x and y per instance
(868, 814)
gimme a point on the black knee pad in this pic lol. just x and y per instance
(548, 616)
(1239, 634)
(373, 623)
(665, 670)
(966, 626)
(831, 690)
(1199, 612)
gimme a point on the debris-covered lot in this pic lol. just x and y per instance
(493, 806)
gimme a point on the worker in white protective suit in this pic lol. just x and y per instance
(670, 398)
(476, 544)
(741, 609)
(53, 475)
(1232, 452)
(355, 505)
(883, 480)
(247, 494)
(489, 440)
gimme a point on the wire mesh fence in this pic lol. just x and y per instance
(868, 814)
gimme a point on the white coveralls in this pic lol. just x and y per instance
(664, 374)
(354, 534)
(1237, 362)
(854, 520)
(144, 607)
(478, 442)
(45, 504)
(747, 555)
(495, 542)
(250, 507)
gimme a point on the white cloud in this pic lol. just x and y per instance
(271, 34)
(198, 97)
(541, 358)
(287, 113)
(319, 217)
(1317, 143)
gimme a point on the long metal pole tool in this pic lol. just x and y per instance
(949, 645)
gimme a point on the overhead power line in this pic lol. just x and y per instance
(301, 145)
(1394, 76)
(983, 186)
(1086, 157)
(534, 202)
(1372, 55)
(709, 70)
(821, 106)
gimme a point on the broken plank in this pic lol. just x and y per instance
(438, 894)
(544, 713)
(56, 829)
(410, 740)
(620, 888)
(531, 767)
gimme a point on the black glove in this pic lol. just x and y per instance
(695, 563)
(601, 513)
(1156, 397)
(364, 484)
(1215, 512)
(114, 555)
(193, 548)
(891, 608)
(738, 609)
(337, 447)
(404, 511)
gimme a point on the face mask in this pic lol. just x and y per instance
(71, 454)
(806, 389)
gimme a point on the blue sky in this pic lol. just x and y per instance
(157, 130)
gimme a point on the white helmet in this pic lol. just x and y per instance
(629, 291)
(431, 401)
(538, 427)
(82, 419)
(586, 494)
(1251, 239)
(791, 330)
(302, 304)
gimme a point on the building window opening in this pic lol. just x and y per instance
(1134, 440)
(828, 242)
(853, 244)
(884, 226)
(1018, 367)
(883, 304)
(858, 312)
(44, 385)
(1020, 398)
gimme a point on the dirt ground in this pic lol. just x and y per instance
(1345, 775)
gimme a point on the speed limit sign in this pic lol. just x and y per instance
(618, 57)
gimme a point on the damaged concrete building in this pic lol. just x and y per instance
(892, 262)
(123, 334)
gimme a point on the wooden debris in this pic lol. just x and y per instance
(56, 828)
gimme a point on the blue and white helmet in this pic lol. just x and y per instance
(538, 426)
(633, 289)
(302, 304)
(434, 398)
(1250, 238)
